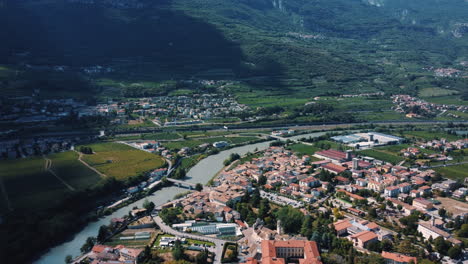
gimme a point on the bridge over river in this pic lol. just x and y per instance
(183, 184)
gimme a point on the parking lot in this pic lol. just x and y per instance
(281, 200)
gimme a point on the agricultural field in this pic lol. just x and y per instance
(436, 92)
(430, 135)
(29, 186)
(452, 100)
(378, 116)
(381, 155)
(457, 172)
(393, 149)
(121, 161)
(71, 170)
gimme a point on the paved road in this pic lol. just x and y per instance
(219, 243)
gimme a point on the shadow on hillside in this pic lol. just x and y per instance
(146, 43)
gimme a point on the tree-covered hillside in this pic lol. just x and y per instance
(303, 45)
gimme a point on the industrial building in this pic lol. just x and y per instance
(368, 140)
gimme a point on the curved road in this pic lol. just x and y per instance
(219, 243)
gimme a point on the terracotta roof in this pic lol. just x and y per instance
(332, 154)
(334, 167)
(341, 225)
(311, 253)
(373, 225)
(365, 236)
(399, 258)
(352, 195)
(100, 248)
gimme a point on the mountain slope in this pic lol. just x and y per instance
(275, 43)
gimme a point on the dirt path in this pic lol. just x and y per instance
(48, 166)
(87, 165)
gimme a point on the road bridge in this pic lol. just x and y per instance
(183, 184)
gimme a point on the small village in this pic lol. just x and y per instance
(159, 111)
(414, 107)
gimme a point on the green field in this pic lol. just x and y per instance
(458, 172)
(430, 135)
(121, 161)
(452, 99)
(75, 173)
(303, 149)
(435, 92)
(393, 149)
(29, 186)
(381, 155)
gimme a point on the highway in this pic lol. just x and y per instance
(298, 126)
(219, 243)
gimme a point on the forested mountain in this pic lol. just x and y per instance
(278, 43)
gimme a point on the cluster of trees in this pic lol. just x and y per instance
(178, 254)
(86, 150)
(179, 173)
(171, 215)
(270, 110)
(233, 157)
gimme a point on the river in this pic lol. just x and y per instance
(202, 172)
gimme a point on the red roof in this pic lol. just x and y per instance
(240, 223)
(334, 167)
(100, 248)
(399, 258)
(332, 154)
(342, 224)
(365, 236)
(311, 253)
